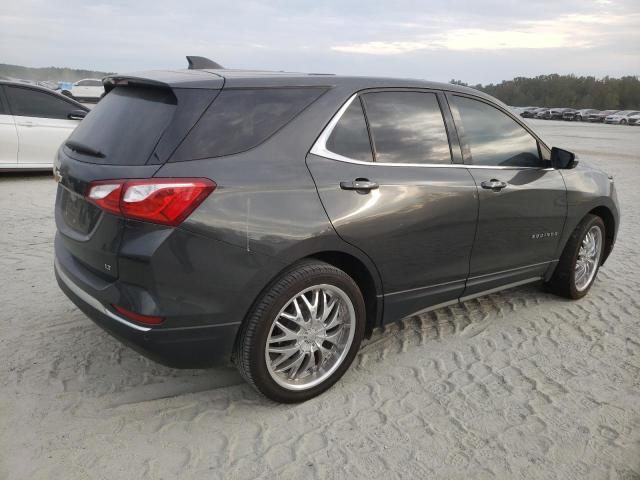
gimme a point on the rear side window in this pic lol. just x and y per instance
(407, 127)
(241, 119)
(350, 137)
(28, 102)
(494, 138)
(125, 125)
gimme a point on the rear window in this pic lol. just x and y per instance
(125, 126)
(241, 119)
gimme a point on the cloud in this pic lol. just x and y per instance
(474, 40)
(569, 31)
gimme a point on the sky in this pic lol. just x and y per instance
(473, 41)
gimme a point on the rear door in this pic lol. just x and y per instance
(522, 200)
(42, 122)
(405, 204)
(8, 134)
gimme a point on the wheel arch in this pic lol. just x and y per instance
(610, 228)
(364, 278)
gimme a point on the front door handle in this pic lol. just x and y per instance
(359, 184)
(493, 184)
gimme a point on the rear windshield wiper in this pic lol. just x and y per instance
(82, 148)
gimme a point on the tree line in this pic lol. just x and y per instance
(566, 91)
(54, 74)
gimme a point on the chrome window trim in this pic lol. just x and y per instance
(93, 302)
(320, 148)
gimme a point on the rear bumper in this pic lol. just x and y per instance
(187, 347)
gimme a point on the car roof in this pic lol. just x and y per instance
(227, 78)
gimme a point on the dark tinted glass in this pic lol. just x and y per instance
(350, 137)
(89, 83)
(126, 125)
(34, 103)
(494, 138)
(407, 127)
(241, 119)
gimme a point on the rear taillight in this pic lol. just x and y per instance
(167, 201)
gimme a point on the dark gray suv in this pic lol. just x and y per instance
(275, 219)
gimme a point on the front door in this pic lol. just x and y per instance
(405, 205)
(522, 200)
(42, 122)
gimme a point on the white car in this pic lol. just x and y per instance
(621, 118)
(634, 119)
(34, 121)
(86, 90)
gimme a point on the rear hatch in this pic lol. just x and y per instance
(129, 134)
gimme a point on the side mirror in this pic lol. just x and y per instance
(76, 115)
(562, 159)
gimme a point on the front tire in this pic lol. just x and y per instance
(302, 334)
(579, 263)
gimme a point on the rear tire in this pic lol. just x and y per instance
(579, 263)
(302, 334)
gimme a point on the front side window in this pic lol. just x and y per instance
(495, 139)
(407, 127)
(350, 137)
(27, 102)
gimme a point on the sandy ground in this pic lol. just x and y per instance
(520, 384)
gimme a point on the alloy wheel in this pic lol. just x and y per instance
(310, 337)
(588, 258)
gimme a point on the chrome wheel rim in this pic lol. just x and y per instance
(310, 337)
(588, 258)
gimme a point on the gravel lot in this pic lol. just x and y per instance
(519, 384)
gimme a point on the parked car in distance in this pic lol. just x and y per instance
(543, 113)
(620, 118)
(557, 113)
(88, 90)
(578, 115)
(530, 112)
(275, 219)
(599, 117)
(34, 122)
(634, 119)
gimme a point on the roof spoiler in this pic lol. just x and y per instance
(202, 63)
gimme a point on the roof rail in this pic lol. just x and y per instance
(201, 63)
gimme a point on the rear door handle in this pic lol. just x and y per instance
(361, 184)
(493, 184)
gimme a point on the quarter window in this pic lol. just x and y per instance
(350, 137)
(494, 138)
(27, 102)
(240, 119)
(407, 127)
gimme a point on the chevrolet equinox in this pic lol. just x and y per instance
(275, 219)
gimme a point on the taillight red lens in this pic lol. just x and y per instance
(167, 201)
(138, 317)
